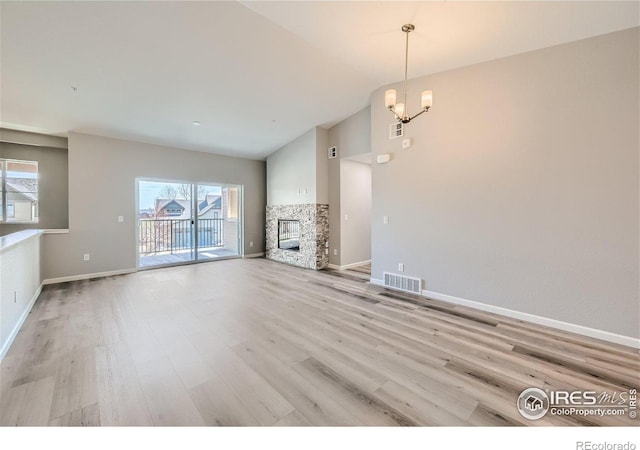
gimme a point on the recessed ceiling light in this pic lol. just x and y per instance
(196, 123)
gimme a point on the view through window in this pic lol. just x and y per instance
(18, 191)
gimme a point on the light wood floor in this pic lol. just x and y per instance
(253, 342)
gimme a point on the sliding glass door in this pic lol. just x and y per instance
(218, 221)
(186, 222)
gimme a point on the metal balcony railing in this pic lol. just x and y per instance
(176, 235)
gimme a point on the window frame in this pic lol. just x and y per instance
(4, 218)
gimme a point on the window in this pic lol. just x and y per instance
(19, 191)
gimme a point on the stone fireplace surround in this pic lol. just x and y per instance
(314, 235)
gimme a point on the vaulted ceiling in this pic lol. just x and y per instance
(254, 74)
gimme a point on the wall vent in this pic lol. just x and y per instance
(332, 152)
(403, 283)
(396, 130)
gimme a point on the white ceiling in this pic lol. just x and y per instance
(255, 74)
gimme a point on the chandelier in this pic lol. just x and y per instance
(400, 109)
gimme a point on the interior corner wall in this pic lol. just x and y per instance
(352, 137)
(522, 187)
(102, 186)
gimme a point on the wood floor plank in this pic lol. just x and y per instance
(254, 342)
(295, 419)
(169, 402)
(76, 383)
(420, 410)
(313, 404)
(370, 409)
(120, 395)
(89, 416)
(27, 404)
(265, 403)
(219, 406)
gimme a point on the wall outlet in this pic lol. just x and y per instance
(346, 217)
(120, 219)
(385, 219)
(251, 244)
(87, 256)
(407, 143)
(326, 251)
(400, 267)
(335, 252)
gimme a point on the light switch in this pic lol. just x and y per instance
(120, 219)
(407, 143)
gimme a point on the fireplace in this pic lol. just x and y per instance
(289, 234)
(298, 234)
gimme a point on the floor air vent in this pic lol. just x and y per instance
(403, 283)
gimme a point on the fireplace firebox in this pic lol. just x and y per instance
(289, 234)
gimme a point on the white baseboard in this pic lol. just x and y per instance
(86, 276)
(254, 255)
(16, 328)
(348, 266)
(532, 318)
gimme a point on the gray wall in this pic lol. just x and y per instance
(53, 187)
(298, 166)
(352, 137)
(102, 183)
(355, 204)
(521, 189)
(291, 170)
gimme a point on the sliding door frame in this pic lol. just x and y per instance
(194, 218)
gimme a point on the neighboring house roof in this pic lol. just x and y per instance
(216, 203)
(210, 202)
(164, 203)
(25, 187)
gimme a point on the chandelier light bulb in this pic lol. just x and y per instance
(390, 98)
(427, 99)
